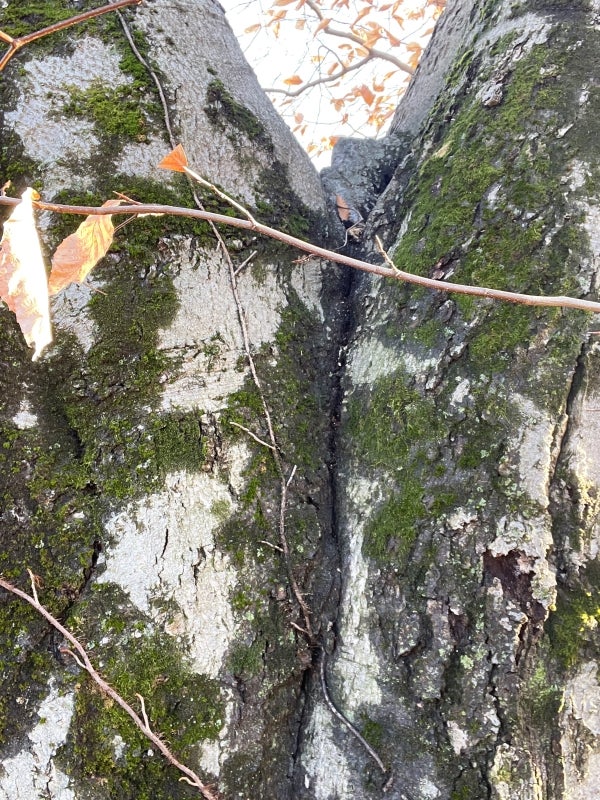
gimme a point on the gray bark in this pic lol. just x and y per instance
(442, 518)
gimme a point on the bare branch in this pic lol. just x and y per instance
(353, 37)
(17, 44)
(322, 80)
(82, 658)
(560, 301)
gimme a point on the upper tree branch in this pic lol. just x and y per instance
(353, 37)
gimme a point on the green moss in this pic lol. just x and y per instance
(373, 732)
(227, 114)
(541, 699)
(246, 661)
(396, 418)
(183, 707)
(573, 625)
(19, 17)
(114, 111)
(391, 534)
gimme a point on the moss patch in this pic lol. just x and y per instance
(20, 17)
(103, 746)
(114, 112)
(227, 114)
(572, 627)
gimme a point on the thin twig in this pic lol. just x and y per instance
(14, 45)
(82, 658)
(191, 175)
(203, 182)
(385, 254)
(245, 262)
(292, 473)
(560, 301)
(271, 545)
(338, 714)
(151, 72)
(253, 435)
(274, 447)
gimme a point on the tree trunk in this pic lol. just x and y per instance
(436, 579)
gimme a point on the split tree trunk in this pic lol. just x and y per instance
(441, 513)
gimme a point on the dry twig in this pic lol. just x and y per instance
(346, 722)
(82, 659)
(14, 45)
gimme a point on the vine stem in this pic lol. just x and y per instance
(560, 301)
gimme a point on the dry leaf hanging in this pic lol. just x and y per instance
(23, 281)
(79, 253)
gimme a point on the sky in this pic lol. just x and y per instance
(298, 52)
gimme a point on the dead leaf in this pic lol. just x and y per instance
(175, 161)
(294, 80)
(79, 253)
(366, 94)
(343, 209)
(23, 282)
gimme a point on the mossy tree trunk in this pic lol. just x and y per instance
(441, 517)
(467, 482)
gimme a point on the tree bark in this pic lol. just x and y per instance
(435, 579)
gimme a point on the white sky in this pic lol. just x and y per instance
(274, 59)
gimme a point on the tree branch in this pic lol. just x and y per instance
(560, 301)
(322, 80)
(17, 44)
(353, 37)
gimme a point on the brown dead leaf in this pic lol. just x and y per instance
(294, 80)
(366, 94)
(175, 161)
(79, 253)
(23, 282)
(343, 209)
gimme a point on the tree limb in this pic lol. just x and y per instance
(14, 45)
(560, 301)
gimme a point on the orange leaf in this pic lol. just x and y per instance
(299, 24)
(343, 209)
(253, 28)
(362, 13)
(175, 161)
(23, 282)
(366, 94)
(414, 60)
(79, 253)
(293, 81)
